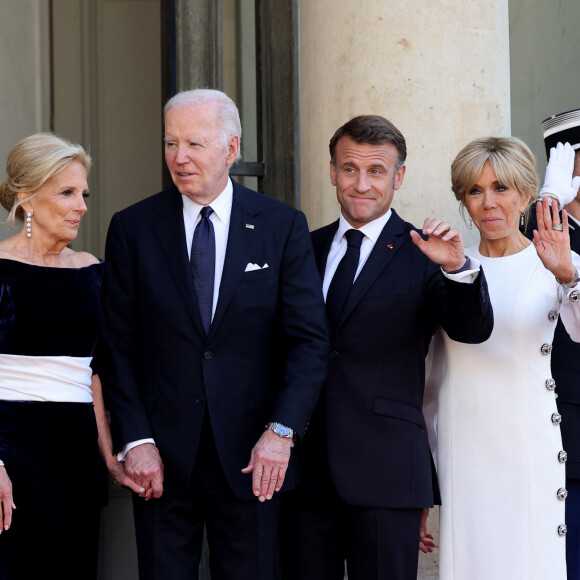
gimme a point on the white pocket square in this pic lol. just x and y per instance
(251, 267)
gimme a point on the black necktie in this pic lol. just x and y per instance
(343, 277)
(202, 262)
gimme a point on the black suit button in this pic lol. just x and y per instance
(334, 354)
(199, 399)
(207, 354)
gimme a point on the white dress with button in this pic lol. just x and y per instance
(496, 434)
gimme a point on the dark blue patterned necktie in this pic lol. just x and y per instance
(202, 262)
(343, 277)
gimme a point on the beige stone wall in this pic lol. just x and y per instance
(438, 70)
(24, 103)
(23, 71)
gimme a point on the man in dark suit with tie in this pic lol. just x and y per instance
(367, 465)
(561, 132)
(216, 352)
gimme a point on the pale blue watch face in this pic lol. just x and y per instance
(284, 431)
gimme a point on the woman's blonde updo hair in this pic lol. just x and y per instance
(32, 163)
(511, 159)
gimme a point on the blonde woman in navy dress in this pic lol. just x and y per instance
(52, 417)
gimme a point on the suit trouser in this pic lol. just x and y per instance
(242, 535)
(320, 535)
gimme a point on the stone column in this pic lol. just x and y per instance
(438, 70)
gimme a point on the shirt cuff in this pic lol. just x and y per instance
(467, 276)
(122, 454)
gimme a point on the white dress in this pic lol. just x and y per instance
(496, 437)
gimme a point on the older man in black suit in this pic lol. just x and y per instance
(217, 350)
(368, 471)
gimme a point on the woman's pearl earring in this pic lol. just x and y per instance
(28, 228)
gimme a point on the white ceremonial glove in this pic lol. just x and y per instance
(559, 182)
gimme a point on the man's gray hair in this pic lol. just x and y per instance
(228, 112)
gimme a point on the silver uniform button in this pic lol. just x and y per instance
(574, 296)
(562, 529)
(550, 384)
(556, 418)
(546, 349)
(562, 456)
(562, 494)
(553, 315)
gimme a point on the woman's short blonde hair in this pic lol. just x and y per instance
(511, 159)
(32, 163)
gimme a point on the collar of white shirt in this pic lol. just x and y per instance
(221, 205)
(371, 230)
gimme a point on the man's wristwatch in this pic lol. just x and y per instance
(282, 431)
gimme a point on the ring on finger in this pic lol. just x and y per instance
(558, 227)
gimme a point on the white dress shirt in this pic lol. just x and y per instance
(220, 218)
(372, 230)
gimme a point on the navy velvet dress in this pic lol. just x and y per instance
(49, 325)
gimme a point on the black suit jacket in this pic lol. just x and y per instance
(266, 354)
(369, 421)
(566, 372)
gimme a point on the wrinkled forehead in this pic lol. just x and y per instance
(199, 119)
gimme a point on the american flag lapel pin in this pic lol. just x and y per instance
(250, 226)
